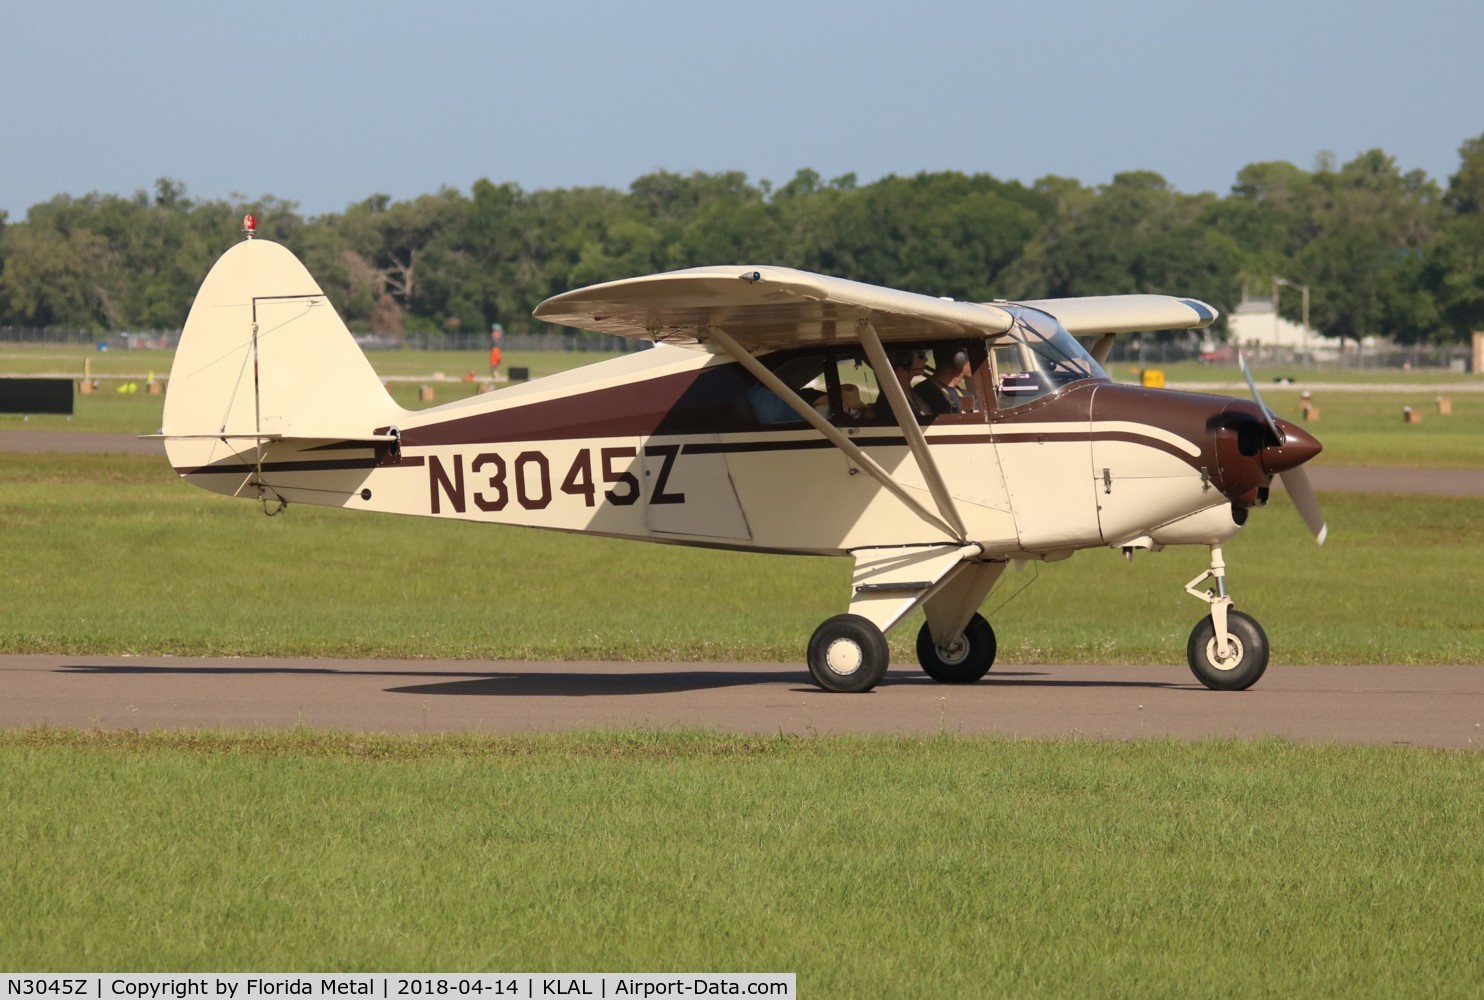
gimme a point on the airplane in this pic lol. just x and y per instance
(776, 410)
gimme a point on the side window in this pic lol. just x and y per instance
(1038, 357)
(1015, 375)
(942, 380)
(805, 375)
(860, 392)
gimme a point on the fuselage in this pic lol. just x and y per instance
(667, 445)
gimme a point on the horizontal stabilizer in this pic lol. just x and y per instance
(367, 438)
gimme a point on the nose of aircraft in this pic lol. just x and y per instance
(1250, 451)
(1296, 448)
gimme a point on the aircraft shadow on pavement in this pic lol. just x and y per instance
(580, 683)
(506, 683)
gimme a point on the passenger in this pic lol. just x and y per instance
(770, 409)
(941, 392)
(851, 402)
(907, 366)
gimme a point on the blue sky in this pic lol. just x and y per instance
(327, 103)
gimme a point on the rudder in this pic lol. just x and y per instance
(264, 353)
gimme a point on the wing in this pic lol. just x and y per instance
(1127, 313)
(765, 307)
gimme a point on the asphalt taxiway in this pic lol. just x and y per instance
(1427, 706)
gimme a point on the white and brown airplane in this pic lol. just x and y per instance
(779, 411)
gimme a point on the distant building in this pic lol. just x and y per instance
(1256, 324)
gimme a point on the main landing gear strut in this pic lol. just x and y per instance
(1228, 650)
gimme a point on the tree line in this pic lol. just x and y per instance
(1384, 252)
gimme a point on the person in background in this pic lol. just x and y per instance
(497, 333)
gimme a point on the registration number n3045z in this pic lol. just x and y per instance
(494, 480)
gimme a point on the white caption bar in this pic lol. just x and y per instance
(393, 986)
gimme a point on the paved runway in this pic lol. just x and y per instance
(1432, 706)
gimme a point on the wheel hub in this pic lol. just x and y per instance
(844, 657)
(954, 651)
(1233, 650)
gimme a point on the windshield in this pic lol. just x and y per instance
(1039, 357)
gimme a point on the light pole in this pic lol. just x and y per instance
(1305, 290)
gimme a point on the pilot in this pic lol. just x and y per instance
(943, 392)
(906, 366)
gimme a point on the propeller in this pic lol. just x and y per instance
(1295, 480)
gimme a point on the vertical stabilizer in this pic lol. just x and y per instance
(264, 353)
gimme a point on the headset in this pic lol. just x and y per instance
(952, 358)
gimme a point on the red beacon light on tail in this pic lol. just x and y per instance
(250, 225)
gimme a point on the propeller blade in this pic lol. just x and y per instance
(1296, 482)
(1252, 384)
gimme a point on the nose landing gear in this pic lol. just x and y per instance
(1227, 651)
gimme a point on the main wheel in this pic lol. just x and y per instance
(1235, 668)
(848, 653)
(964, 660)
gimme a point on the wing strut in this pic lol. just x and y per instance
(907, 420)
(830, 431)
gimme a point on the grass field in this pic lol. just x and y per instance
(111, 411)
(1368, 428)
(1356, 428)
(67, 360)
(870, 866)
(945, 866)
(114, 554)
(1267, 372)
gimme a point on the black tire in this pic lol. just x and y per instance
(969, 660)
(848, 653)
(1238, 672)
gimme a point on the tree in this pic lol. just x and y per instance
(1369, 220)
(383, 242)
(59, 271)
(1466, 188)
(1452, 271)
(1136, 234)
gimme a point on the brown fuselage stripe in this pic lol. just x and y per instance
(716, 448)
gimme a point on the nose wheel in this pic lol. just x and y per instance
(1228, 650)
(1235, 665)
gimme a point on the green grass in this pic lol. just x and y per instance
(1368, 429)
(1356, 429)
(70, 359)
(115, 409)
(1266, 371)
(870, 866)
(35, 359)
(113, 554)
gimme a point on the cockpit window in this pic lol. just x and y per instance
(1038, 357)
(804, 375)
